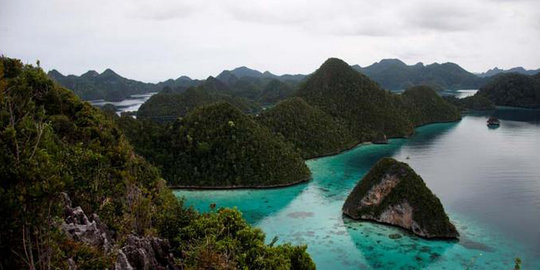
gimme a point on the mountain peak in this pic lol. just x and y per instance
(244, 71)
(391, 61)
(334, 64)
(109, 72)
(90, 73)
(55, 74)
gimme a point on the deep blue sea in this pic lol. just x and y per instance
(487, 179)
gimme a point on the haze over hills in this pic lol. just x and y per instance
(391, 74)
(496, 71)
(107, 85)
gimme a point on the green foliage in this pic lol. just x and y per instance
(473, 103)
(107, 85)
(423, 105)
(517, 263)
(275, 91)
(428, 211)
(513, 89)
(367, 110)
(223, 240)
(218, 146)
(355, 100)
(166, 107)
(311, 130)
(52, 142)
(395, 75)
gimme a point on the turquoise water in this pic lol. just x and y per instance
(487, 179)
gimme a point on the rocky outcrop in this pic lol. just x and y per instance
(392, 193)
(145, 253)
(89, 230)
(137, 252)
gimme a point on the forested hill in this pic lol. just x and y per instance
(363, 106)
(338, 107)
(311, 130)
(497, 71)
(393, 74)
(74, 195)
(217, 146)
(167, 106)
(513, 89)
(107, 85)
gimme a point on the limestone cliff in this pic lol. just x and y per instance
(392, 193)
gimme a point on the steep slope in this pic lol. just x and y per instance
(473, 103)
(311, 130)
(74, 195)
(513, 90)
(423, 105)
(275, 91)
(357, 101)
(497, 71)
(217, 146)
(391, 192)
(393, 74)
(107, 85)
(169, 105)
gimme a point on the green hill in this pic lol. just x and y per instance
(53, 147)
(217, 146)
(169, 105)
(311, 130)
(351, 97)
(107, 85)
(274, 91)
(423, 105)
(473, 103)
(513, 89)
(393, 74)
(391, 192)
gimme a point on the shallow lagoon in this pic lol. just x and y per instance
(487, 179)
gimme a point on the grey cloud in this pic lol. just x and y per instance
(158, 39)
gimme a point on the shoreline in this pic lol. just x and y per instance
(180, 187)
(275, 186)
(405, 230)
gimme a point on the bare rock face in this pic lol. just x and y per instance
(80, 227)
(145, 253)
(392, 193)
(138, 252)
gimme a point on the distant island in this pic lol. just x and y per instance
(266, 88)
(513, 89)
(216, 146)
(393, 74)
(497, 71)
(206, 137)
(392, 193)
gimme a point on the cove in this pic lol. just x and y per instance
(487, 179)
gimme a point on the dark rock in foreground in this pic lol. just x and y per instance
(392, 193)
(137, 252)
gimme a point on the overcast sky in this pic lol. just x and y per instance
(160, 39)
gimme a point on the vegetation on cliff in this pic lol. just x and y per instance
(311, 130)
(472, 103)
(52, 143)
(423, 105)
(354, 99)
(512, 89)
(217, 146)
(168, 106)
(107, 85)
(427, 210)
(393, 74)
